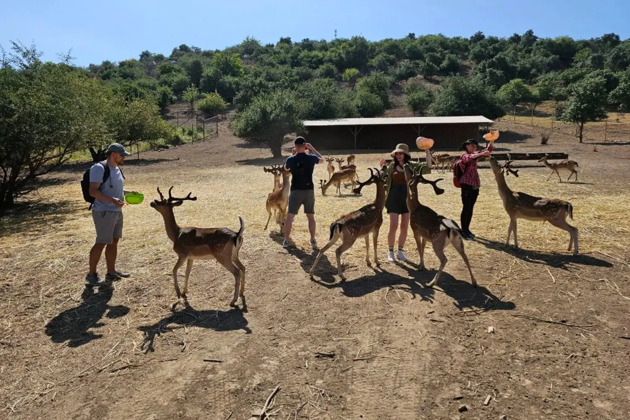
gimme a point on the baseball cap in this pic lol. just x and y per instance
(117, 148)
(299, 141)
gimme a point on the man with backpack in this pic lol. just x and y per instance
(470, 182)
(106, 189)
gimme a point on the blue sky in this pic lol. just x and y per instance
(116, 30)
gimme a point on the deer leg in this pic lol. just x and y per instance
(269, 218)
(229, 265)
(241, 267)
(550, 175)
(375, 240)
(189, 265)
(438, 246)
(420, 245)
(347, 243)
(367, 250)
(178, 264)
(458, 243)
(573, 231)
(558, 173)
(330, 243)
(571, 174)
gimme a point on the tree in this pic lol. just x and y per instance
(268, 119)
(377, 84)
(586, 103)
(350, 76)
(369, 104)
(514, 93)
(462, 96)
(195, 71)
(190, 95)
(419, 97)
(212, 103)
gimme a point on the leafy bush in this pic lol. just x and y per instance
(377, 84)
(369, 104)
(405, 70)
(462, 96)
(212, 103)
(419, 97)
(327, 71)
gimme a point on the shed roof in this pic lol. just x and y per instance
(470, 119)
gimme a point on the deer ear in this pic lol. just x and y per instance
(177, 203)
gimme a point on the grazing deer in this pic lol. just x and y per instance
(278, 201)
(276, 171)
(427, 225)
(518, 204)
(360, 223)
(192, 243)
(569, 165)
(336, 179)
(330, 167)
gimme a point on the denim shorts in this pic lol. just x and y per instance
(109, 225)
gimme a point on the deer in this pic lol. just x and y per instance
(276, 171)
(518, 204)
(569, 165)
(192, 243)
(336, 179)
(278, 201)
(350, 159)
(446, 161)
(330, 167)
(360, 223)
(428, 226)
(341, 161)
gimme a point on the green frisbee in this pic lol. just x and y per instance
(134, 198)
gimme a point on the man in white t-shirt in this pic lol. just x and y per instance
(109, 197)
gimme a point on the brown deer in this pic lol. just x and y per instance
(330, 167)
(350, 159)
(276, 171)
(427, 225)
(192, 243)
(360, 223)
(569, 165)
(278, 201)
(337, 178)
(518, 204)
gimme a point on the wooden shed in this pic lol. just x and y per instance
(385, 133)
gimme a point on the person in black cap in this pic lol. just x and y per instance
(109, 197)
(470, 182)
(301, 165)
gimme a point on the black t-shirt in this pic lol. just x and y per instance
(301, 166)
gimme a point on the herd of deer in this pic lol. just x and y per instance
(223, 244)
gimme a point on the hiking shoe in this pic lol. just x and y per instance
(472, 235)
(287, 243)
(467, 235)
(93, 280)
(314, 244)
(401, 255)
(390, 256)
(122, 274)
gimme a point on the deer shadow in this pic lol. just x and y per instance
(217, 320)
(73, 325)
(552, 259)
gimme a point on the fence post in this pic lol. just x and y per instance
(606, 130)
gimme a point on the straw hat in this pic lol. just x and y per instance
(401, 148)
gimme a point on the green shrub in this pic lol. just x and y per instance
(212, 103)
(369, 104)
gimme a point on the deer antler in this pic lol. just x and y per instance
(369, 181)
(422, 179)
(172, 199)
(160, 192)
(507, 170)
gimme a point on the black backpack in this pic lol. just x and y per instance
(85, 182)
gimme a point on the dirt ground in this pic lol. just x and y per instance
(545, 335)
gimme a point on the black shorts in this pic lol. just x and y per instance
(397, 199)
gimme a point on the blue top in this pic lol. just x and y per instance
(301, 166)
(112, 187)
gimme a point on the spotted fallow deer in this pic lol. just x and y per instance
(360, 223)
(278, 201)
(429, 226)
(192, 243)
(337, 178)
(569, 165)
(518, 204)
(330, 167)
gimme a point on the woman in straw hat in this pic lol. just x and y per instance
(396, 202)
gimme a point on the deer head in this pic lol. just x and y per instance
(418, 175)
(507, 170)
(375, 176)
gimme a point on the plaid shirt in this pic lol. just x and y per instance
(471, 176)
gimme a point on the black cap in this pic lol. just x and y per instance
(299, 141)
(469, 141)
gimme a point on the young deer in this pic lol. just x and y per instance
(427, 225)
(336, 179)
(330, 167)
(192, 243)
(569, 165)
(360, 223)
(278, 201)
(518, 204)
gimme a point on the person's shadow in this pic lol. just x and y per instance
(73, 325)
(190, 317)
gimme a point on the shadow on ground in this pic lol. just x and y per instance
(189, 317)
(554, 260)
(73, 325)
(37, 215)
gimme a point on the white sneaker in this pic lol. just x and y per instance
(390, 256)
(401, 255)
